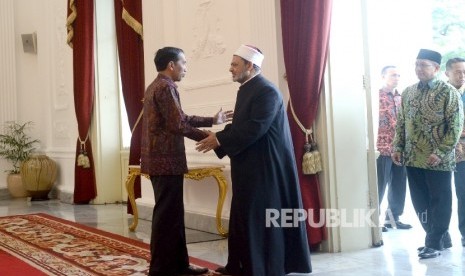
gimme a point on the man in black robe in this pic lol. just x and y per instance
(264, 177)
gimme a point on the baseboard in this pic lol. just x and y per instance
(4, 193)
(201, 222)
(65, 197)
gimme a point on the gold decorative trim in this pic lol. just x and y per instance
(195, 174)
(132, 22)
(69, 23)
(217, 173)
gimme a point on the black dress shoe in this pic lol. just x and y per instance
(222, 270)
(398, 225)
(384, 229)
(446, 245)
(191, 270)
(428, 253)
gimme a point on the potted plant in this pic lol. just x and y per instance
(15, 147)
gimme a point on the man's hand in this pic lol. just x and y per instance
(222, 116)
(433, 160)
(397, 158)
(208, 143)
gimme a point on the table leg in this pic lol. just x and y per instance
(196, 174)
(222, 189)
(130, 189)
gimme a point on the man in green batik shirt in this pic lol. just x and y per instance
(429, 124)
(455, 72)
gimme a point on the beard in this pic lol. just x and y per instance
(242, 77)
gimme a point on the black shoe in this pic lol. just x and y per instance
(428, 253)
(384, 229)
(191, 270)
(463, 241)
(222, 270)
(398, 225)
(446, 245)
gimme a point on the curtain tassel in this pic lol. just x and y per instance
(311, 161)
(82, 159)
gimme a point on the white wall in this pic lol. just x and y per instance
(8, 96)
(209, 32)
(44, 83)
(44, 86)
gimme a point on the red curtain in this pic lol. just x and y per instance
(128, 17)
(305, 30)
(80, 25)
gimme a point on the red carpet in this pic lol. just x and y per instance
(40, 244)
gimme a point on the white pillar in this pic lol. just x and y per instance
(8, 104)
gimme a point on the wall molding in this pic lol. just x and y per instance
(4, 194)
(200, 109)
(197, 85)
(64, 153)
(8, 98)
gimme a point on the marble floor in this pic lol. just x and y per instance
(398, 256)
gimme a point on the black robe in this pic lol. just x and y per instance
(264, 175)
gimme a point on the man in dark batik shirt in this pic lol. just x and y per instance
(163, 157)
(390, 175)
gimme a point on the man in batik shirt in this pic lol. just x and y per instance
(429, 124)
(455, 71)
(389, 174)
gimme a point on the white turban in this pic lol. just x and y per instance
(250, 54)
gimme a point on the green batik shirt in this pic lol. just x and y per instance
(430, 120)
(460, 147)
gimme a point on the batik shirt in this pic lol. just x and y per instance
(460, 148)
(430, 121)
(389, 103)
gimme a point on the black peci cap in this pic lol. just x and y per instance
(429, 55)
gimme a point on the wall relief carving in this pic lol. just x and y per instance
(207, 34)
(62, 95)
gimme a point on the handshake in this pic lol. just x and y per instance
(210, 142)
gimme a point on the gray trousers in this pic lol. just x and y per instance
(459, 179)
(394, 178)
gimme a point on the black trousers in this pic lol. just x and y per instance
(459, 179)
(431, 193)
(168, 240)
(394, 178)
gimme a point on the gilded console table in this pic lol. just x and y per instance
(196, 173)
